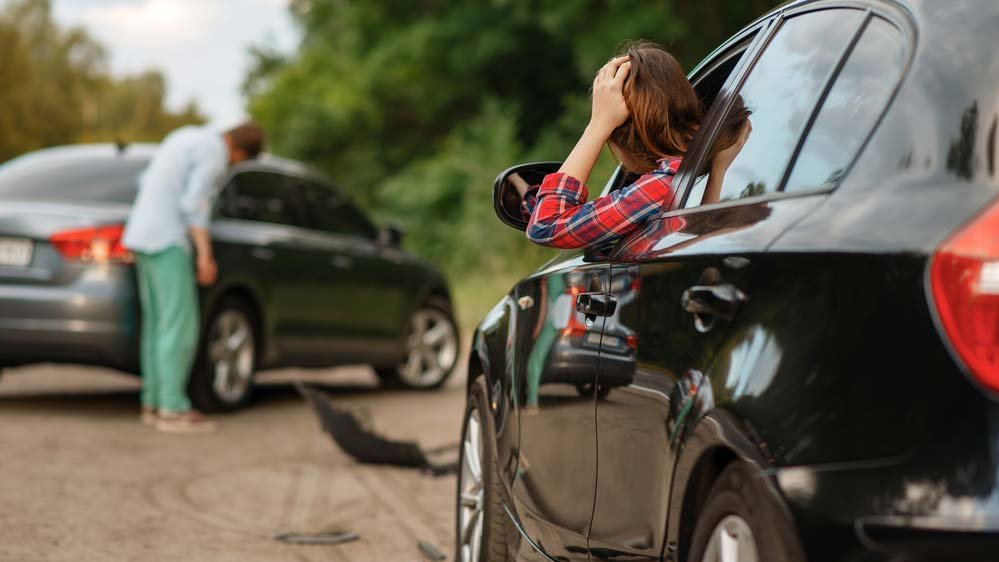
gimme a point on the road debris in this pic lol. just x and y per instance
(431, 552)
(366, 446)
(317, 538)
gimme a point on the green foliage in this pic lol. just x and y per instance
(57, 89)
(414, 107)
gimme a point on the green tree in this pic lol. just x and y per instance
(57, 88)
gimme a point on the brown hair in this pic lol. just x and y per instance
(665, 110)
(248, 137)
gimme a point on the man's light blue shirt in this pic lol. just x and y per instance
(177, 190)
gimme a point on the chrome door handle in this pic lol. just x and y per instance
(709, 302)
(596, 304)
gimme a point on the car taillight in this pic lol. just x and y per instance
(964, 279)
(100, 244)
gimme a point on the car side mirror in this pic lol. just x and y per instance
(391, 235)
(512, 184)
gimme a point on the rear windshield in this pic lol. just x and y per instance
(91, 179)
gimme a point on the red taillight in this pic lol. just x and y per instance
(99, 244)
(964, 278)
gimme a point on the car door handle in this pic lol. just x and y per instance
(342, 262)
(262, 253)
(709, 302)
(596, 304)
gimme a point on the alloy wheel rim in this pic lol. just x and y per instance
(731, 541)
(471, 500)
(231, 355)
(432, 348)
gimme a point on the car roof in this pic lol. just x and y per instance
(91, 151)
(146, 150)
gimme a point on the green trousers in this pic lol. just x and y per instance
(169, 340)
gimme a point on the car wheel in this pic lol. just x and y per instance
(480, 518)
(740, 522)
(431, 348)
(222, 379)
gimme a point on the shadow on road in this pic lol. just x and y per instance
(110, 395)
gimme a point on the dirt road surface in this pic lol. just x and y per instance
(82, 480)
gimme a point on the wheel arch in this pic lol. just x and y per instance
(717, 439)
(703, 476)
(439, 289)
(248, 295)
(475, 368)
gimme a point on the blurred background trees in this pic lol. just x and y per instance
(414, 107)
(57, 88)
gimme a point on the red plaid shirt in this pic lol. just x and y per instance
(561, 217)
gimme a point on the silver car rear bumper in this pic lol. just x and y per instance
(91, 319)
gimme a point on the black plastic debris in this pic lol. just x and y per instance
(317, 538)
(431, 552)
(366, 446)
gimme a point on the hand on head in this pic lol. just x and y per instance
(725, 157)
(609, 108)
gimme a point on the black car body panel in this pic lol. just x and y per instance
(830, 376)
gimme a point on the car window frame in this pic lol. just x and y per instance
(686, 175)
(321, 183)
(305, 176)
(227, 193)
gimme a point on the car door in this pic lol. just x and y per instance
(681, 281)
(555, 357)
(262, 231)
(365, 291)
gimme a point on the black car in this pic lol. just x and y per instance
(305, 278)
(804, 370)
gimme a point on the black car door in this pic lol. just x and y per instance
(262, 232)
(365, 294)
(680, 282)
(554, 364)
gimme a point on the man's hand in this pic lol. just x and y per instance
(207, 270)
(609, 108)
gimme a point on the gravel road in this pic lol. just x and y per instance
(82, 480)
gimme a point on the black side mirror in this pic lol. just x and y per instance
(391, 235)
(512, 184)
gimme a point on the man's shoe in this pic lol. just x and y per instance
(190, 421)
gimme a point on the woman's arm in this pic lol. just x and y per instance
(609, 112)
(563, 219)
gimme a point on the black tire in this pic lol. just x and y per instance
(202, 388)
(493, 539)
(740, 491)
(393, 377)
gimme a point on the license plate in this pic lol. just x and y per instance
(15, 252)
